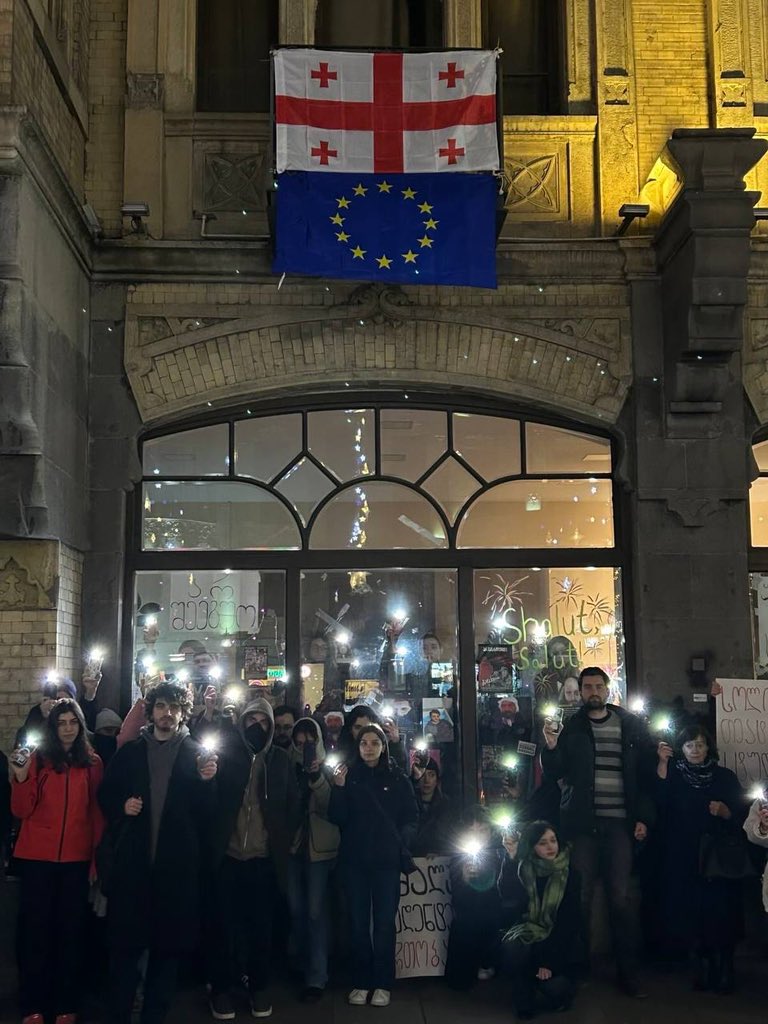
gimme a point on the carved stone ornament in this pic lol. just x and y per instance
(694, 512)
(28, 575)
(145, 91)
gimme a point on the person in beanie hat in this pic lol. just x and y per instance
(433, 832)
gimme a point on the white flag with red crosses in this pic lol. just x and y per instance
(377, 113)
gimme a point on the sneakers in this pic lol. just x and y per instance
(485, 973)
(380, 997)
(222, 1007)
(357, 997)
(261, 1005)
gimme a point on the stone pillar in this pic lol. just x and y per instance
(463, 23)
(691, 473)
(144, 119)
(114, 467)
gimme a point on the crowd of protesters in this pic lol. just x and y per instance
(181, 829)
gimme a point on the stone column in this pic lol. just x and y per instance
(691, 449)
(463, 23)
(144, 105)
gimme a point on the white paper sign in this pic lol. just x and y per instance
(424, 919)
(742, 728)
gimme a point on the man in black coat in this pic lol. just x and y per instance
(158, 798)
(258, 815)
(604, 761)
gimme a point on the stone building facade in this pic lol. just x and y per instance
(112, 331)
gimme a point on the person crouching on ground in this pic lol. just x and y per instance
(545, 953)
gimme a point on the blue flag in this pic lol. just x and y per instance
(408, 228)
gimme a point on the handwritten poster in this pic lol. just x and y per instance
(424, 919)
(742, 728)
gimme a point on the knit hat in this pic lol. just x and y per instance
(68, 685)
(108, 719)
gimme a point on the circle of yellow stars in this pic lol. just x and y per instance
(385, 261)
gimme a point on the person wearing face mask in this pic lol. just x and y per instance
(373, 804)
(544, 953)
(258, 814)
(697, 798)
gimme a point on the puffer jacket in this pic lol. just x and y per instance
(316, 836)
(61, 820)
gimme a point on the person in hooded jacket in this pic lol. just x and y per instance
(158, 797)
(257, 817)
(433, 834)
(312, 859)
(373, 804)
(357, 719)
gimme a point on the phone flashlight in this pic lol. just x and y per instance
(758, 793)
(421, 744)
(333, 760)
(637, 705)
(182, 675)
(662, 724)
(150, 621)
(387, 711)
(471, 846)
(510, 762)
(504, 822)
(215, 672)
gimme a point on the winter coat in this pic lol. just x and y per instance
(433, 832)
(573, 762)
(754, 835)
(5, 802)
(564, 951)
(278, 792)
(697, 910)
(60, 816)
(155, 904)
(316, 837)
(377, 814)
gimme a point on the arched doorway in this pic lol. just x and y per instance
(451, 564)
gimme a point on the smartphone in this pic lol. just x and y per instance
(310, 754)
(421, 759)
(554, 718)
(20, 756)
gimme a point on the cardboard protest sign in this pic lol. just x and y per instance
(424, 919)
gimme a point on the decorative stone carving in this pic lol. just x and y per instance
(28, 575)
(232, 182)
(694, 512)
(534, 183)
(145, 91)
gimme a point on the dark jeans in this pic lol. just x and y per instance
(521, 962)
(474, 938)
(607, 855)
(240, 925)
(53, 917)
(308, 902)
(372, 956)
(159, 985)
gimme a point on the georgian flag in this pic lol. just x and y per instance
(385, 113)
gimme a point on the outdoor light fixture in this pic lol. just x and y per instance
(137, 212)
(629, 212)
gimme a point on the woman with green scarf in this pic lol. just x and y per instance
(545, 952)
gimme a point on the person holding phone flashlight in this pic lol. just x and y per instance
(312, 859)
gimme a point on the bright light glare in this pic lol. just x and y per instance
(96, 654)
(504, 822)
(471, 845)
(211, 744)
(421, 744)
(550, 710)
(52, 677)
(151, 620)
(233, 693)
(306, 671)
(758, 793)
(663, 723)
(401, 650)
(637, 705)
(510, 761)
(387, 710)
(215, 672)
(343, 637)
(183, 676)
(333, 760)
(399, 614)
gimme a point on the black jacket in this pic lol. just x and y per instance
(564, 949)
(278, 794)
(573, 762)
(376, 812)
(435, 826)
(156, 904)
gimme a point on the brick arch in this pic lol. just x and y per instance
(179, 357)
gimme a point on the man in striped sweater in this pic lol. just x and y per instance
(603, 760)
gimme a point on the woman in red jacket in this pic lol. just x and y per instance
(53, 792)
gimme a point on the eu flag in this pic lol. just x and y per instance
(408, 228)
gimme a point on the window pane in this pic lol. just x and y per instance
(451, 484)
(527, 33)
(490, 444)
(202, 452)
(541, 514)
(758, 512)
(554, 450)
(378, 515)
(209, 515)
(266, 445)
(386, 639)
(411, 441)
(760, 451)
(304, 485)
(214, 627)
(379, 23)
(758, 585)
(233, 42)
(343, 440)
(535, 630)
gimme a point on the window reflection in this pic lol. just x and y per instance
(555, 450)
(201, 452)
(490, 444)
(344, 441)
(266, 445)
(376, 514)
(411, 441)
(535, 630)
(384, 641)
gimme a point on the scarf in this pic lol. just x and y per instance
(539, 919)
(699, 776)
